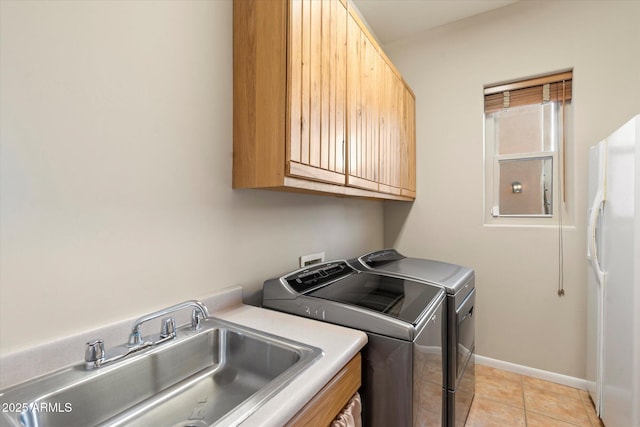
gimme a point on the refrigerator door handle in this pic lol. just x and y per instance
(592, 250)
(596, 211)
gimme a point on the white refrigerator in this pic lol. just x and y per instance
(613, 295)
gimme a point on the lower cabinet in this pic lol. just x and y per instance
(327, 404)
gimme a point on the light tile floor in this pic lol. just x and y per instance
(507, 399)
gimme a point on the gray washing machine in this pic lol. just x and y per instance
(402, 378)
(459, 284)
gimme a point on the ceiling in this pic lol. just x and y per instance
(392, 20)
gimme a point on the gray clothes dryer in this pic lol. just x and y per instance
(459, 284)
(402, 363)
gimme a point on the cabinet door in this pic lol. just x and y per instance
(391, 119)
(363, 69)
(317, 90)
(408, 133)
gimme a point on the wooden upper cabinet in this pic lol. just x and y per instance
(363, 97)
(408, 143)
(375, 115)
(259, 93)
(317, 106)
(317, 90)
(391, 122)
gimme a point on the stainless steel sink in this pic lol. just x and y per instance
(217, 375)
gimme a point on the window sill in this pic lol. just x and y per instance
(521, 225)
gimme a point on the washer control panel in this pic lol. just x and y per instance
(319, 275)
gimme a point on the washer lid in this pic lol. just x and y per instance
(451, 276)
(401, 299)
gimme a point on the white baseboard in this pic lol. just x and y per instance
(574, 382)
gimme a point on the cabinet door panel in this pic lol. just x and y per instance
(334, 83)
(390, 118)
(396, 114)
(315, 81)
(371, 105)
(362, 106)
(325, 82)
(385, 88)
(318, 74)
(409, 144)
(295, 72)
(340, 105)
(396, 140)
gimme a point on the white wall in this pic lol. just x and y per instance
(520, 319)
(116, 159)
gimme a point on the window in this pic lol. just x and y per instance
(526, 150)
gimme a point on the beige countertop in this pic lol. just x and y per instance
(339, 345)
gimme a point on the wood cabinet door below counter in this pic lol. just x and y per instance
(325, 406)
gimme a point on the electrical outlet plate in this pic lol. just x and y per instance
(310, 259)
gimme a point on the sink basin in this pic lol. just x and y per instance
(217, 375)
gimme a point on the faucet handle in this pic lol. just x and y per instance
(196, 318)
(94, 353)
(168, 327)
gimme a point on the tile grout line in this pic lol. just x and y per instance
(585, 401)
(555, 417)
(524, 403)
(584, 405)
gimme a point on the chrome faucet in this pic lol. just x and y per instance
(96, 356)
(199, 311)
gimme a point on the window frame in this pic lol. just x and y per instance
(557, 152)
